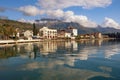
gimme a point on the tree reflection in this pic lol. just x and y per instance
(68, 49)
(8, 51)
(62, 60)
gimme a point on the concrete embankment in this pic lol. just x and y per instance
(18, 41)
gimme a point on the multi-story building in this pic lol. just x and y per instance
(61, 33)
(98, 35)
(70, 32)
(47, 33)
(68, 35)
(74, 32)
(64, 34)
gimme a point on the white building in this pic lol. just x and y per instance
(74, 32)
(18, 34)
(67, 34)
(98, 35)
(28, 34)
(47, 33)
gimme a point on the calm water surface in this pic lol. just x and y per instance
(59, 60)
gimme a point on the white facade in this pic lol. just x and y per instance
(67, 34)
(75, 32)
(28, 34)
(99, 35)
(47, 33)
(18, 34)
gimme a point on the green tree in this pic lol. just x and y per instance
(35, 30)
(7, 31)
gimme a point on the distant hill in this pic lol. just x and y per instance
(81, 29)
(107, 30)
(53, 23)
(15, 24)
(65, 25)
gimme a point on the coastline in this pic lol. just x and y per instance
(38, 40)
(17, 41)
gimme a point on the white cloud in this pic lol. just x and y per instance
(69, 16)
(46, 5)
(22, 20)
(83, 20)
(30, 10)
(108, 22)
(26, 21)
(55, 13)
(54, 9)
(61, 4)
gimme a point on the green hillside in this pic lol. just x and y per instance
(8, 28)
(15, 24)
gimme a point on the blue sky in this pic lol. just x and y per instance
(85, 12)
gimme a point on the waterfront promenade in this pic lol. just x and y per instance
(18, 41)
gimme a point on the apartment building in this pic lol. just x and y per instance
(47, 33)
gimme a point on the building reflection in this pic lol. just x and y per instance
(71, 50)
(48, 47)
(29, 47)
(25, 50)
(61, 57)
(75, 45)
(97, 42)
(32, 55)
(68, 44)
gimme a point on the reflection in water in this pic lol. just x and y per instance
(75, 45)
(48, 47)
(111, 51)
(106, 69)
(49, 71)
(84, 49)
(60, 60)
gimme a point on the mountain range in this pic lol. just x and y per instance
(81, 29)
(59, 25)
